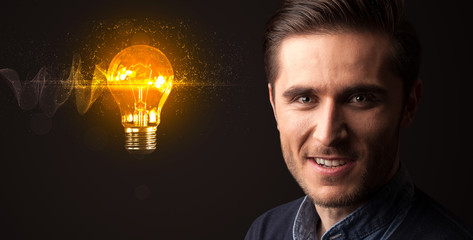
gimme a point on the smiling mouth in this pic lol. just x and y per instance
(329, 163)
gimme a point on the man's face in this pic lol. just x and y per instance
(338, 108)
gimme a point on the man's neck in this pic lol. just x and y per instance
(330, 216)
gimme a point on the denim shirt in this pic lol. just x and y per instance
(376, 219)
(398, 211)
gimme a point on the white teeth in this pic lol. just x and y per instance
(330, 163)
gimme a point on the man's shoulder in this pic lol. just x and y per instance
(276, 223)
(427, 219)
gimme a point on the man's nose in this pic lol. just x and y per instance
(330, 126)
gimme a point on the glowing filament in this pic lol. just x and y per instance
(152, 116)
(159, 82)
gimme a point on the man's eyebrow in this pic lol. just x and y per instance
(298, 91)
(364, 88)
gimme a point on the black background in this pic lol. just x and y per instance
(218, 163)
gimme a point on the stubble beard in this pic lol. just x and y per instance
(368, 182)
(342, 200)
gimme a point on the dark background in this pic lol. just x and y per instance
(218, 163)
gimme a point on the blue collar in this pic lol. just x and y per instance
(376, 219)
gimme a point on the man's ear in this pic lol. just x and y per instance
(271, 100)
(412, 103)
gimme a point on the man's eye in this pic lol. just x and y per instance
(360, 98)
(305, 99)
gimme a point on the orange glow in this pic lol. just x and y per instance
(140, 79)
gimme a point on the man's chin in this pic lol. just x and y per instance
(340, 198)
(336, 203)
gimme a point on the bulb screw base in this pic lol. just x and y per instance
(140, 140)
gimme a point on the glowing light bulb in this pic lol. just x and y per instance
(140, 79)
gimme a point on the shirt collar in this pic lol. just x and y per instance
(377, 213)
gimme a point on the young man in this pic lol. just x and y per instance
(343, 79)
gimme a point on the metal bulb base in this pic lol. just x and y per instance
(140, 140)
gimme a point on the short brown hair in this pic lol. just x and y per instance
(331, 16)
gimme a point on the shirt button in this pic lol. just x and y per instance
(335, 236)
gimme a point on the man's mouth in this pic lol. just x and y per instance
(330, 163)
